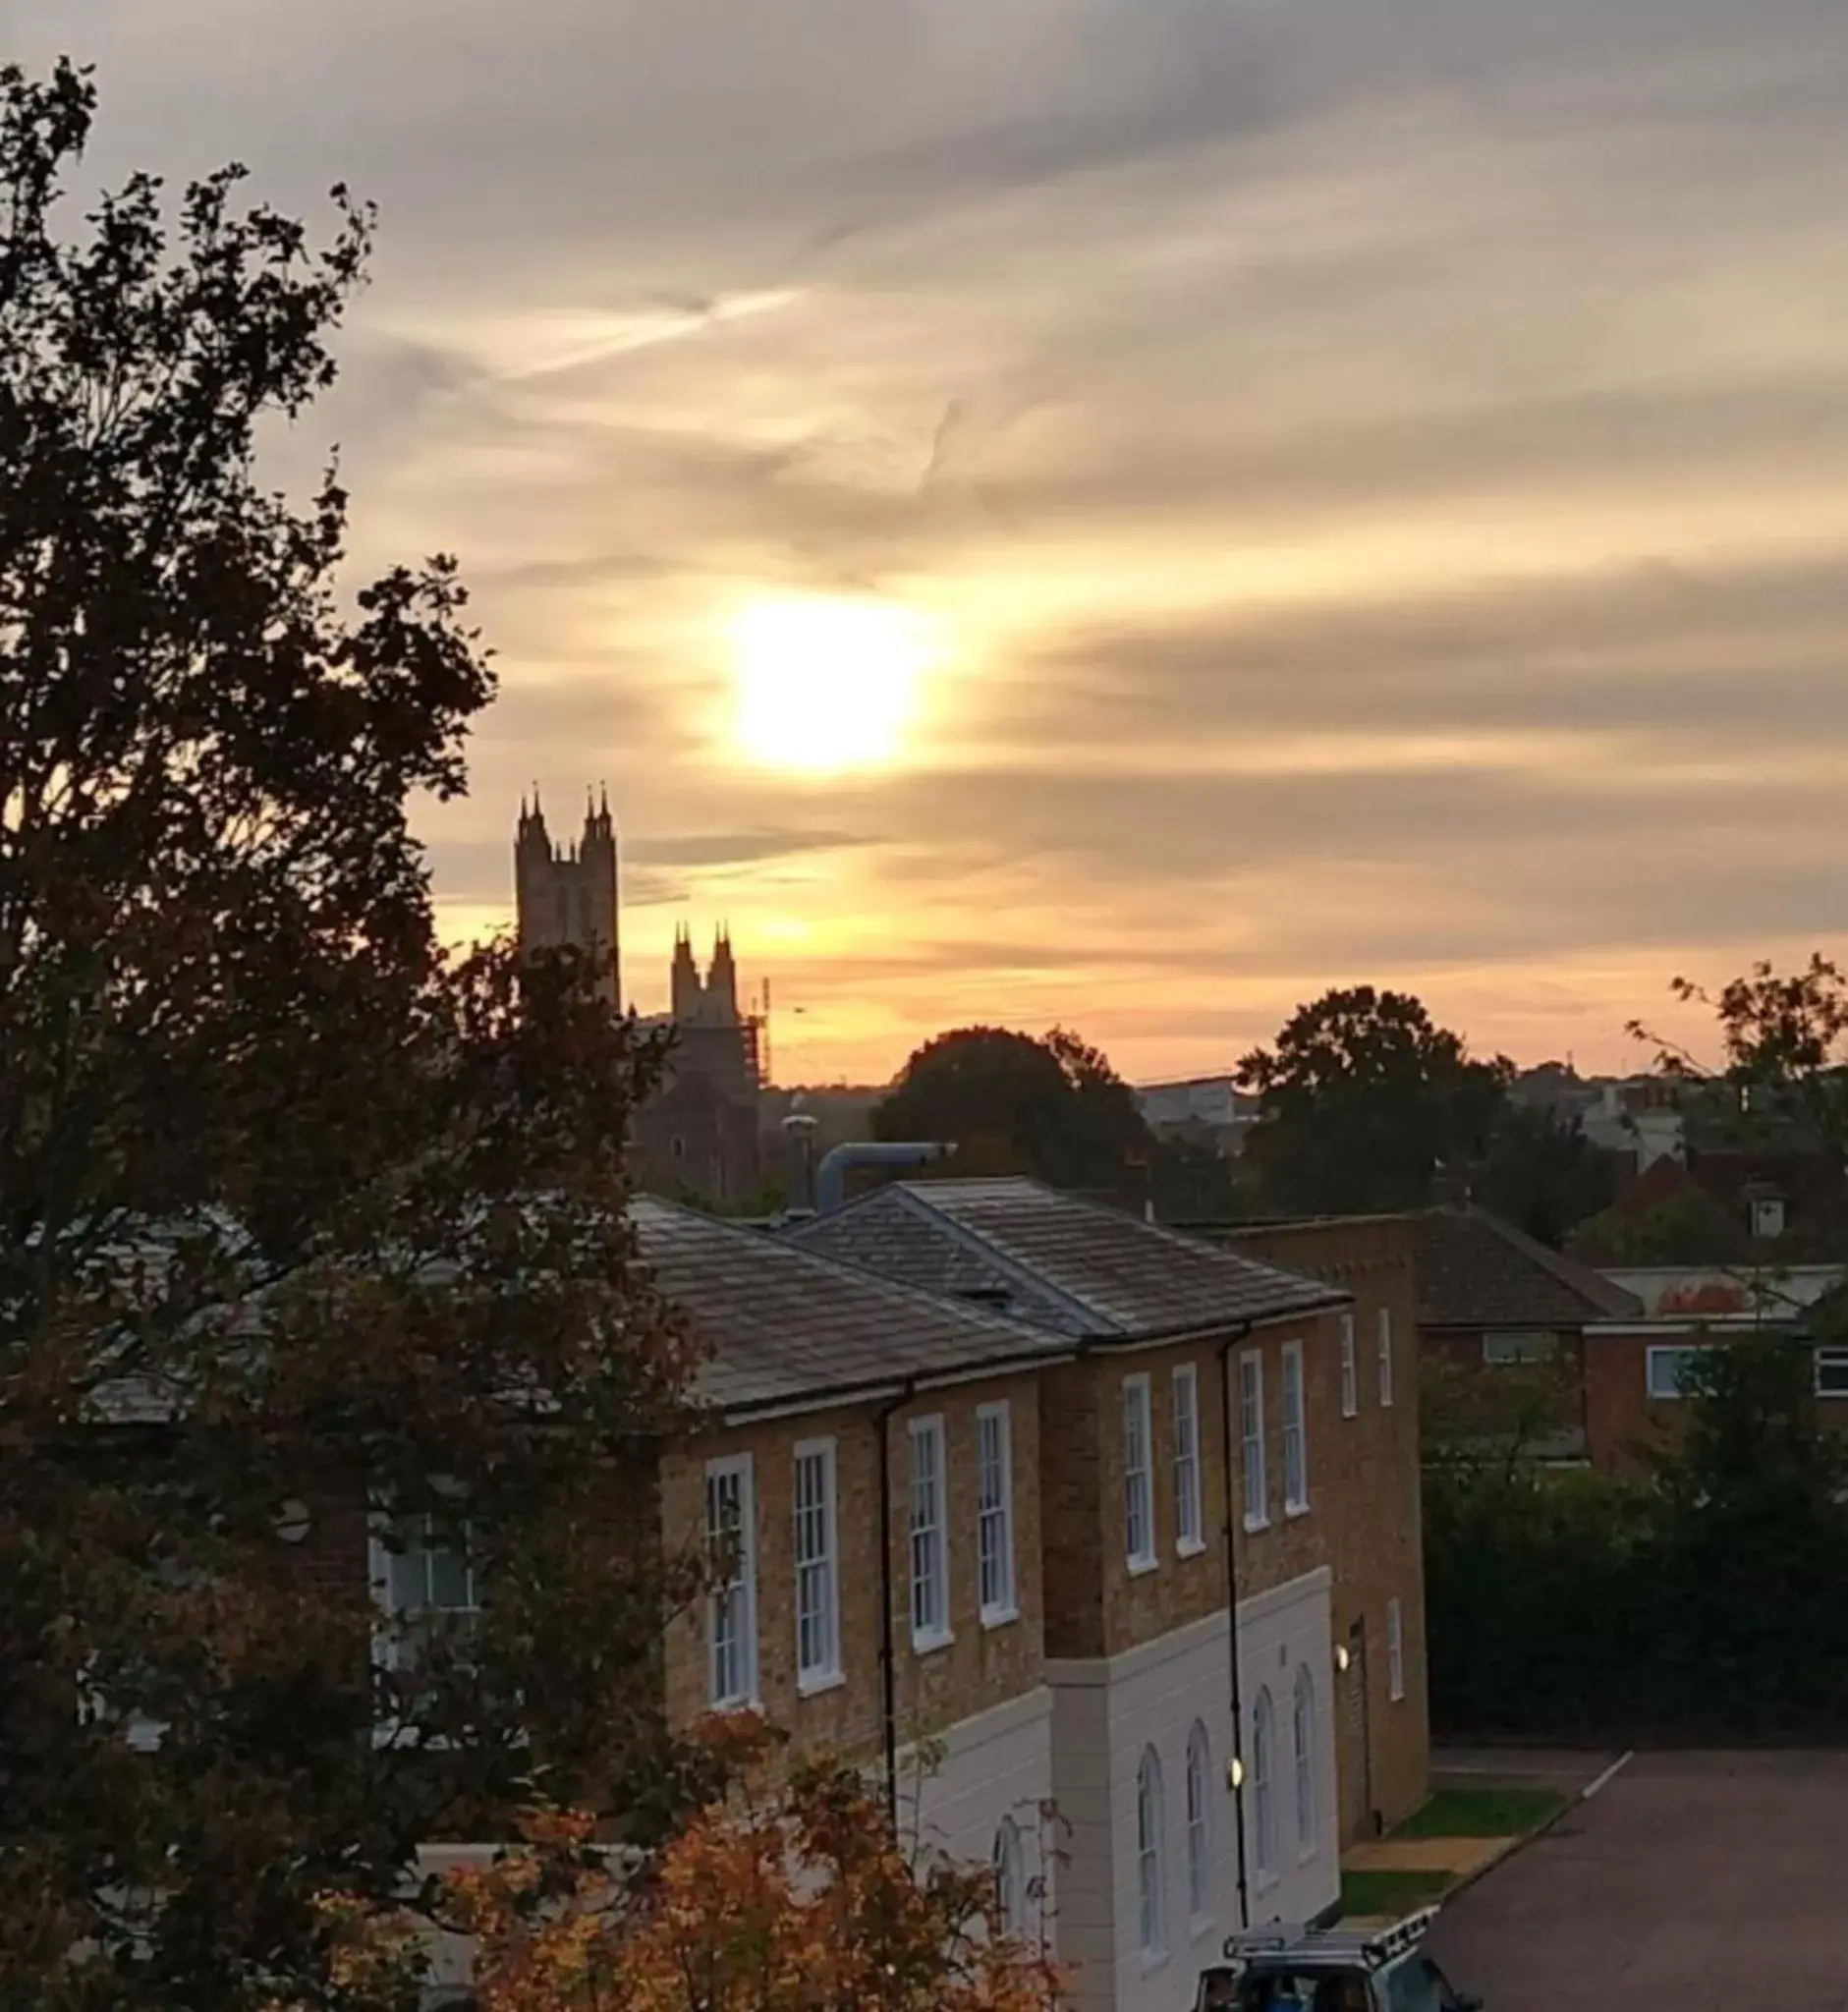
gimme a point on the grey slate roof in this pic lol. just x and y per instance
(1475, 1270)
(1074, 1267)
(784, 1324)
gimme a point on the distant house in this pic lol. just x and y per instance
(1634, 1364)
(1491, 1297)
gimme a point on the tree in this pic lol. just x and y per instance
(790, 1898)
(1363, 1101)
(301, 1219)
(1053, 1108)
(1543, 1174)
(1784, 1039)
(1475, 1421)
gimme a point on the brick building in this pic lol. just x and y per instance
(845, 1404)
(1491, 1297)
(1215, 1440)
(1375, 1544)
(1633, 1364)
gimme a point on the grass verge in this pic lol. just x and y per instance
(1484, 1813)
(1391, 1893)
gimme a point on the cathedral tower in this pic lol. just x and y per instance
(570, 894)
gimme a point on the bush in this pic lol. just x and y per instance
(1709, 1603)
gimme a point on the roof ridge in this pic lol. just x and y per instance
(1604, 1295)
(1023, 1275)
(967, 1312)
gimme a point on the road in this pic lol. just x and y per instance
(1689, 1884)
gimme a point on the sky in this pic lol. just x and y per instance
(1122, 513)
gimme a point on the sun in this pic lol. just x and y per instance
(827, 684)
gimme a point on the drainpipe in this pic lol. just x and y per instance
(830, 1177)
(888, 1672)
(1232, 1622)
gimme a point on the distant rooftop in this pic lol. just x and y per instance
(1475, 1270)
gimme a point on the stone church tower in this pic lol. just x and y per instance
(570, 894)
(698, 1133)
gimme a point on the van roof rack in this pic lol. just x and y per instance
(1374, 1947)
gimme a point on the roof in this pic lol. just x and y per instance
(1075, 1267)
(1475, 1270)
(784, 1324)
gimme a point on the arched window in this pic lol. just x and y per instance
(1198, 1823)
(1148, 1867)
(1303, 1724)
(1263, 1784)
(1010, 1880)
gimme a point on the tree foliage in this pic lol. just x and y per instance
(1364, 1100)
(1543, 1174)
(1784, 1043)
(784, 1897)
(296, 1214)
(1706, 1599)
(1053, 1108)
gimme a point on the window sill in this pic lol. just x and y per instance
(1396, 1697)
(1254, 1524)
(1138, 1566)
(821, 1680)
(1267, 1883)
(1347, 1414)
(1190, 1547)
(1153, 1960)
(1199, 1924)
(1291, 1509)
(999, 1617)
(929, 1645)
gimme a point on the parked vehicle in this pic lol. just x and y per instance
(1282, 1969)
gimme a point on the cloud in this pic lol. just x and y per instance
(1379, 461)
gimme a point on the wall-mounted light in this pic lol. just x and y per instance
(1341, 1657)
(1234, 1773)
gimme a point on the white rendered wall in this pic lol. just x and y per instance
(1105, 1714)
(954, 1795)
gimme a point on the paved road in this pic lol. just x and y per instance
(1702, 1883)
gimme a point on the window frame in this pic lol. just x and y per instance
(1832, 1358)
(1350, 1367)
(742, 1468)
(1004, 1604)
(1265, 1788)
(1302, 1755)
(1151, 1899)
(1656, 1351)
(1198, 1780)
(1189, 1523)
(828, 1672)
(389, 1644)
(1295, 1499)
(1519, 1346)
(1395, 1649)
(1139, 1423)
(937, 1634)
(1254, 1477)
(1010, 1880)
(1382, 1341)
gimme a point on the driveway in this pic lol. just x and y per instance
(1691, 1883)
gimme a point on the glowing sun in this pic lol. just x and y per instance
(826, 685)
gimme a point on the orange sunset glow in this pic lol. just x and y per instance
(1125, 526)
